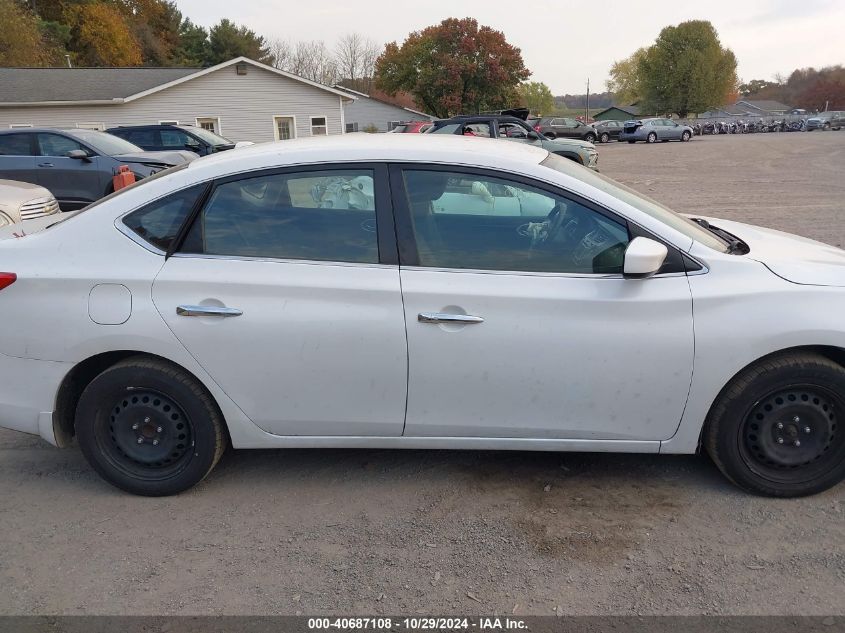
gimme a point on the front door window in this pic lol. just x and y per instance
(470, 221)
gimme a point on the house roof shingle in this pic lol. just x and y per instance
(28, 85)
(766, 105)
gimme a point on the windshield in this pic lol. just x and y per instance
(637, 200)
(449, 128)
(210, 137)
(104, 143)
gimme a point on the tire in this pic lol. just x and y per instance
(651, 138)
(685, 137)
(604, 138)
(149, 428)
(632, 142)
(550, 135)
(590, 138)
(777, 428)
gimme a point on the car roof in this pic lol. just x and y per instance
(361, 147)
(153, 126)
(468, 118)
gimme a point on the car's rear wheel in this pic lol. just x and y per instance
(651, 138)
(148, 427)
(590, 138)
(632, 141)
(776, 429)
(605, 137)
(685, 137)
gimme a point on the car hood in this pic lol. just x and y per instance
(796, 259)
(568, 143)
(160, 158)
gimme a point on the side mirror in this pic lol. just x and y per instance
(78, 154)
(643, 258)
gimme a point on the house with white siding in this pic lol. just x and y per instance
(367, 112)
(241, 99)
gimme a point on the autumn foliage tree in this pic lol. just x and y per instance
(22, 41)
(453, 67)
(101, 35)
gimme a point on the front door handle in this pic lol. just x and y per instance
(45, 164)
(442, 317)
(201, 311)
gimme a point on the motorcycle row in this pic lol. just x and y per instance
(748, 127)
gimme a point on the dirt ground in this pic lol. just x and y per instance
(369, 532)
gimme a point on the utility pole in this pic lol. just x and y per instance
(587, 107)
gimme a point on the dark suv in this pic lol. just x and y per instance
(565, 127)
(76, 165)
(170, 137)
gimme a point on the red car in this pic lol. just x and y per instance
(411, 127)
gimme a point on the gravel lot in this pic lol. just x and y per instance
(368, 532)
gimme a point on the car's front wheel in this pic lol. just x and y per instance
(148, 427)
(605, 137)
(590, 138)
(776, 429)
(685, 137)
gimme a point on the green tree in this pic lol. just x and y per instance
(227, 40)
(452, 67)
(536, 96)
(687, 70)
(22, 41)
(756, 85)
(624, 80)
(193, 47)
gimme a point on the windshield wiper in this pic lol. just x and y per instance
(735, 245)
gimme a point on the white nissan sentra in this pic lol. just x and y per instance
(396, 291)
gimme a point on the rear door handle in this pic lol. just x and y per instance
(201, 311)
(45, 164)
(442, 317)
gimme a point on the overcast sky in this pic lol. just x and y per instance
(564, 42)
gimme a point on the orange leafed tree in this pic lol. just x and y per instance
(102, 36)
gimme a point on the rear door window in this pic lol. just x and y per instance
(325, 215)
(16, 145)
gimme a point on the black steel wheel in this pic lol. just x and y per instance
(148, 427)
(776, 429)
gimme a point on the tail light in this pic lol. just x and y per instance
(7, 279)
(537, 128)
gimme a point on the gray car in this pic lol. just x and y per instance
(653, 130)
(76, 165)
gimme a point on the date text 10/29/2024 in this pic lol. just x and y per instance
(421, 623)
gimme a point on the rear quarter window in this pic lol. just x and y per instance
(159, 222)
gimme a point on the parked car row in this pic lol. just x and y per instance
(514, 128)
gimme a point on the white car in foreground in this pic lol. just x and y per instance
(406, 291)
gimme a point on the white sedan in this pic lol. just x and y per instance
(405, 291)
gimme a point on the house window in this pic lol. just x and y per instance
(319, 126)
(351, 127)
(91, 126)
(284, 127)
(15, 125)
(212, 124)
(168, 122)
